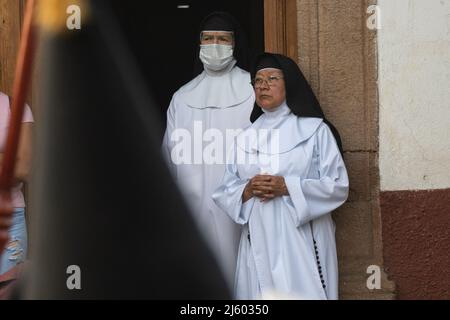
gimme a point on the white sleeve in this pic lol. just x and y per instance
(313, 198)
(228, 196)
(168, 144)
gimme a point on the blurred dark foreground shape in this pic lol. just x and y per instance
(103, 199)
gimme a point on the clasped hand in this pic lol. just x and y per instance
(265, 187)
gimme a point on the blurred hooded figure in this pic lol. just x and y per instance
(201, 121)
(109, 222)
(284, 177)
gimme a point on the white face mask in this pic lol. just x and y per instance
(216, 57)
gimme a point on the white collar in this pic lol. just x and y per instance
(277, 132)
(219, 90)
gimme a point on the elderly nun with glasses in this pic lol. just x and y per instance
(284, 177)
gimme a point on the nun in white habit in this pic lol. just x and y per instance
(202, 120)
(284, 177)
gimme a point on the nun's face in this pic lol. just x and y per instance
(270, 88)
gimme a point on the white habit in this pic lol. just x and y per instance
(198, 118)
(277, 252)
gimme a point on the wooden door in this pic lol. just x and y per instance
(280, 24)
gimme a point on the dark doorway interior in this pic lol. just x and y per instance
(164, 37)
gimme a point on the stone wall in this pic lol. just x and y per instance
(337, 52)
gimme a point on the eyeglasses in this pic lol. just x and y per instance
(271, 81)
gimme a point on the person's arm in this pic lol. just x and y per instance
(6, 212)
(269, 187)
(23, 159)
(248, 192)
(5, 225)
(313, 198)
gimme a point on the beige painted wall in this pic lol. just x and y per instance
(414, 80)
